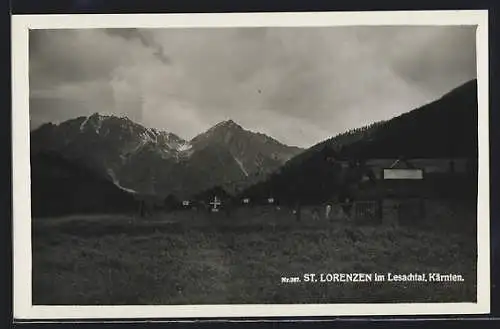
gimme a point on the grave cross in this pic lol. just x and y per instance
(215, 203)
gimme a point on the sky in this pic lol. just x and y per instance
(300, 85)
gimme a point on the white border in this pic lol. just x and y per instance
(23, 309)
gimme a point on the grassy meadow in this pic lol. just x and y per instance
(193, 258)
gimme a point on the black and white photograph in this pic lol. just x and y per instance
(263, 165)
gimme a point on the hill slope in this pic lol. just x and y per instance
(444, 128)
(61, 187)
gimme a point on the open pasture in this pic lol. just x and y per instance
(239, 258)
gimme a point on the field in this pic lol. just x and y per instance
(192, 258)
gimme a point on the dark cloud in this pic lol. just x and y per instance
(300, 85)
(146, 40)
(442, 58)
(71, 55)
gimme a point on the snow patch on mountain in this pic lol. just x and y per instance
(240, 164)
(184, 147)
(94, 120)
(112, 175)
(129, 190)
(84, 123)
(144, 137)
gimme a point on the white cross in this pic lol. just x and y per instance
(215, 203)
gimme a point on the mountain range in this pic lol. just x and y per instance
(151, 161)
(140, 160)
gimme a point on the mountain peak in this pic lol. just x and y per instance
(97, 115)
(228, 124)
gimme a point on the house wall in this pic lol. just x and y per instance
(428, 165)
